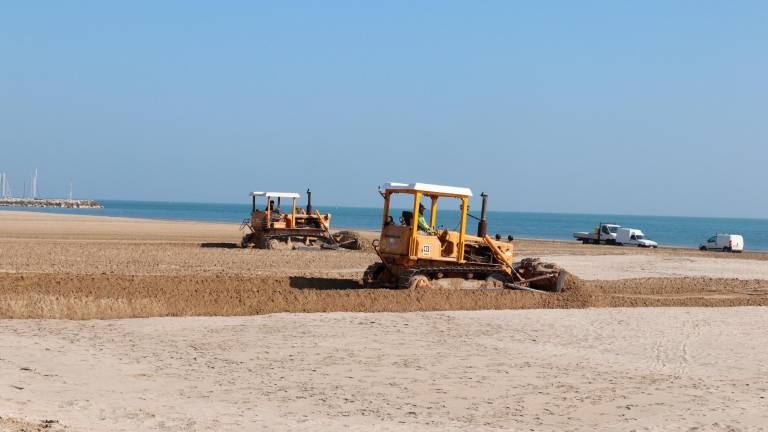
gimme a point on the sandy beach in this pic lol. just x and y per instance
(124, 324)
(610, 369)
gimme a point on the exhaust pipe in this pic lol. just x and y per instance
(309, 201)
(482, 226)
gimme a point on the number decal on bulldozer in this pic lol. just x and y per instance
(425, 250)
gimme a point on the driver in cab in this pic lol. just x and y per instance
(422, 224)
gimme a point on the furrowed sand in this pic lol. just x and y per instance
(124, 325)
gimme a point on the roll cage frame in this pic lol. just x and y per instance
(434, 197)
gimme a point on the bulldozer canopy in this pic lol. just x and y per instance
(428, 189)
(275, 194)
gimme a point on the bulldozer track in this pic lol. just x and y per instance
(262, 239)
(476, 272)
(343, 239)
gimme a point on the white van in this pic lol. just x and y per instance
(634, 237)
(724, 242)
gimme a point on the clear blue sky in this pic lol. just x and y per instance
(654, 107)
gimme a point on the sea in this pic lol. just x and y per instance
(666, 230)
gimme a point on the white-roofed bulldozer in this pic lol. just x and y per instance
(416, 253)
(272, 228)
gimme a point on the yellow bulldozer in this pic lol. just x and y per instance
(416, 252)
(272, 226)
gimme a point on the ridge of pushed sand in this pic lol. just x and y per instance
(68, 296)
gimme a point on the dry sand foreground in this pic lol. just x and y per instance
(612, 368)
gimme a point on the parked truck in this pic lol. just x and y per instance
(724, 242)
(604, 233)
(613, 234)
(633, 237)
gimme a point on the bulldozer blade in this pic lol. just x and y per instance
(532, 272)
(557, 281)
(560, 281)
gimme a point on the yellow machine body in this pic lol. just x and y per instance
(416, 253)
(270, 225)
(402, 245)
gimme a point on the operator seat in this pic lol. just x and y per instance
(406, 218)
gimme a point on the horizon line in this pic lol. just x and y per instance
(490, 210)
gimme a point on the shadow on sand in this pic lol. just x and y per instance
(315, 283)
(220, 245)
